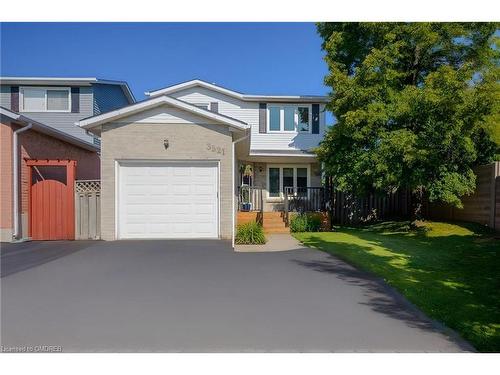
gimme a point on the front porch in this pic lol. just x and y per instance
(251, 206)
(269, 188)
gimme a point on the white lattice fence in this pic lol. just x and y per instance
(88, 209)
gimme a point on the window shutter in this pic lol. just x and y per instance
(75, 99)
(315, 118)
(14, 98)
(262, 117)
(214, 107)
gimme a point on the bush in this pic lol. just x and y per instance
(305, 223)
(250, 234)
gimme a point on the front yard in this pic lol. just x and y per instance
(450, 271)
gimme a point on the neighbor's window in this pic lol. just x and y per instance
(303, 119)
(274, 182)
(39, 99)
(274, 119)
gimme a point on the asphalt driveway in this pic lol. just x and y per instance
(200, 296)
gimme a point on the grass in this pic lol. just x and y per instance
(451, 271)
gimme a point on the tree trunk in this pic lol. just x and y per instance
(418, 204)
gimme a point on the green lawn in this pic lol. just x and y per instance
(450, 271)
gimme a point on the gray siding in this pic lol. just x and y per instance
(108, 97)
(64, 121)
(5, 96)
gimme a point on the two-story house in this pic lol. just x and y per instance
(177, 164)
(59, 102)
(37, 126)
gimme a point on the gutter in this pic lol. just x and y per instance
(15, 159)
(233, 179)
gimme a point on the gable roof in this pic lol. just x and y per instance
(70, 81)
(103, 118)
(236, 94)
(47, 130)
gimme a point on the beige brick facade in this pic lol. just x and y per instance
(144, 141)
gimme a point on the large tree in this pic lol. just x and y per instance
(417, 106)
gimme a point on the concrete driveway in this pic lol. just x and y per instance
(200, 296)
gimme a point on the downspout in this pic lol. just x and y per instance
(233, 184)
(15, 161)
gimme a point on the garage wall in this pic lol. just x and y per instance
(145, 141)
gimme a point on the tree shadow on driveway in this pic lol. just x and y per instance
(382, 298)
(17, 257)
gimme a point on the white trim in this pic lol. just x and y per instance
(284, 154)
(154, 102)
(269, 198)
(235, 94)
(45, 88)
(121, 162)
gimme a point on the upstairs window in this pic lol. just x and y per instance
(289, 118)
(43, 99)
(274, 119)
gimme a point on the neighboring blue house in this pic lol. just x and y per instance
(60, 102)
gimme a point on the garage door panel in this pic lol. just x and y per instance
(170, 200)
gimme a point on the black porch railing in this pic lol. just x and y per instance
(250, 199)
(304, 199)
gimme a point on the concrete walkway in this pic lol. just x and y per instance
(201, 296)
(275, 242)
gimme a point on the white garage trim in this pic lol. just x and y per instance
(152, 162)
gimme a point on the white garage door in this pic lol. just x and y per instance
(168, 200)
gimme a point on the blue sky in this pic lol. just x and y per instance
(254, 58)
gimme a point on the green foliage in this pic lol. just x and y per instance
(449, 270)
(417, 106)
(250, 234)
(305, 223)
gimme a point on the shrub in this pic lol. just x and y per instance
(305, 223)
(250, 234)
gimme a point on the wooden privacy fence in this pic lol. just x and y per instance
(87, 209)
(483, 206)
(346, 208)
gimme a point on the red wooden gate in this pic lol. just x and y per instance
(52, 204)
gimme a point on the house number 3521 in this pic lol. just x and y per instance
(214, 148)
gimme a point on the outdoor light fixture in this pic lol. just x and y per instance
(165, 143)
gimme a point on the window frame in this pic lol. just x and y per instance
(281, 194)
(45, 89)
(282, 107)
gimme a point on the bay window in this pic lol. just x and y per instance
(44, 99)
(289, 118)
(280, 177)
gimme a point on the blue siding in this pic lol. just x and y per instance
(108, 97)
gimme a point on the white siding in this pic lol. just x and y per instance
(248, 112)
(165, 115)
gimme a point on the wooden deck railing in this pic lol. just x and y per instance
(250, 198)
(304, 199)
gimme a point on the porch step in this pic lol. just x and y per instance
(272, 221)
(246, 217)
